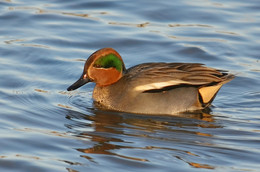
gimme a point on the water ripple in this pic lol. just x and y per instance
(43, 47)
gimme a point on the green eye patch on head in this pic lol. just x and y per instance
(108, 61)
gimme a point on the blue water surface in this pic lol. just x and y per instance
(43, 47)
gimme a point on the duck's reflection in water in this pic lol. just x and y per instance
(117, 134)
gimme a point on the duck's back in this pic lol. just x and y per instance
(163, 88)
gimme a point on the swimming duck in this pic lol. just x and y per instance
(150, 88)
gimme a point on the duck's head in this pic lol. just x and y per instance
(104, 67)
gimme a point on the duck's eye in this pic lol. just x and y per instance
(107, 64)
(97, 66)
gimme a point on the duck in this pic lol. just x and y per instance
(150, 88)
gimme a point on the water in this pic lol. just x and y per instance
(43, 45)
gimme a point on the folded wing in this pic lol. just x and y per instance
(156, 77)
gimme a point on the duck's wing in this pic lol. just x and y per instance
(156, 77)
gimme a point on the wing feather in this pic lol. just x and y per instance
(150, 76)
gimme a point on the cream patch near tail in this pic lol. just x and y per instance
(207, 93)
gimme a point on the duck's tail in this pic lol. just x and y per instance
(209, 92)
